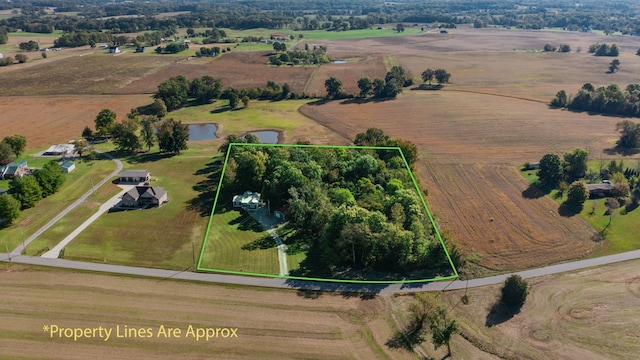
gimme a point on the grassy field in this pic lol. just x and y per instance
(230, 233)
(144, 237)
(77, 183)
(271, 324)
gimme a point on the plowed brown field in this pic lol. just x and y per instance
(470, 147)
(238, 70)
(47, 120)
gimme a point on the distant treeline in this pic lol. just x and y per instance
(609, 100)
(608, 15)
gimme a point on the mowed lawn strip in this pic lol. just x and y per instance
(65, 226)
(77, 184)
(164, 237)
(229, 232)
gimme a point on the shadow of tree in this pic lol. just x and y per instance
(203, 202)
(247, 223)
(619, 150)
(148, 157)
(567, 209)
(630, 207)
(263, 243)
(533, 192)
(500, 313)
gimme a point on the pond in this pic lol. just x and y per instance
(267, 136)
(199, 132)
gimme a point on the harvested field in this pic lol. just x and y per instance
(357, 67)
(469, 160)
(46, 120)
(236, 69)
(590, 314)
(81, 75)
(288, 324)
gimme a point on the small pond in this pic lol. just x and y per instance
(199, 132)
(267, 136)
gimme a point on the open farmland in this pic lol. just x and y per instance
(469, 160)
(235, 69)
(357, 66)
(47, 120)
(289, 324)
(589, 314)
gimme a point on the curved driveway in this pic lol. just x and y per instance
(15, 256)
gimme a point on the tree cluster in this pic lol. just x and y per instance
(564, 48)
(177, 91)
(610, 100)
(28, 190)
(553, 170)
(393, 83)
(172, 48)
(12, 147)
(29, 46)
(352, 209)
(309, 56)
(603, 49)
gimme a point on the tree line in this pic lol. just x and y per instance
(393, 83)
(610, 100)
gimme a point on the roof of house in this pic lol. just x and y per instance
(60, 148)
(135, 173)
(148, 192)
(601, 187)
(248, 197)
(13, 167)
(68, 164)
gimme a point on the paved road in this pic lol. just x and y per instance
(325, 286)
(55, 252)
(23, 245)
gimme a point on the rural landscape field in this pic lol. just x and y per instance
(470, 140)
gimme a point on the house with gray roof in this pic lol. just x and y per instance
(249, 201)
(14, 169)
(135, 176)
(144, 196)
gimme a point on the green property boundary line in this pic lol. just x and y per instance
(415, 183)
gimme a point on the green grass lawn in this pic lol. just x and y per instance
(22, 34)
(78, 182)
(620, 235)
(259, 115)
(229, 232)
(164, 237)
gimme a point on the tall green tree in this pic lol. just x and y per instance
(575, 164)
(514, 291)
(9, 210)
(442, 329)
(378, 87)
(442, 76)
(105, 121)
(173, 136)
(333, 85)
(5, 152)
(577, 193)
(174, 92)
(17, 143)
(550, 170)
(50, 178)
(146, 133)
(427, 76)
(366, 86)
(614, 66)
(125, 137)
(629, 133)
(561, 99)
(26, 190)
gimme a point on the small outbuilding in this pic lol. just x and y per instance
(60, 150)
(114, 50)
(249, 201)
(68, 167)
(142, 196)
(135, 176)
(600, 190)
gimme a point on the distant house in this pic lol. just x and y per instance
(1, 56)
(13, 169)
(68, 167)
(600, 190)
(280, 36)
(141, 196)
(60, 149)
(135, 176)
(532, 166)
(281, 214)
(140, 49)
(248, 201)
(114, 50)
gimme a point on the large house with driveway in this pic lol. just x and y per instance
(141, 196)
(14, 169)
